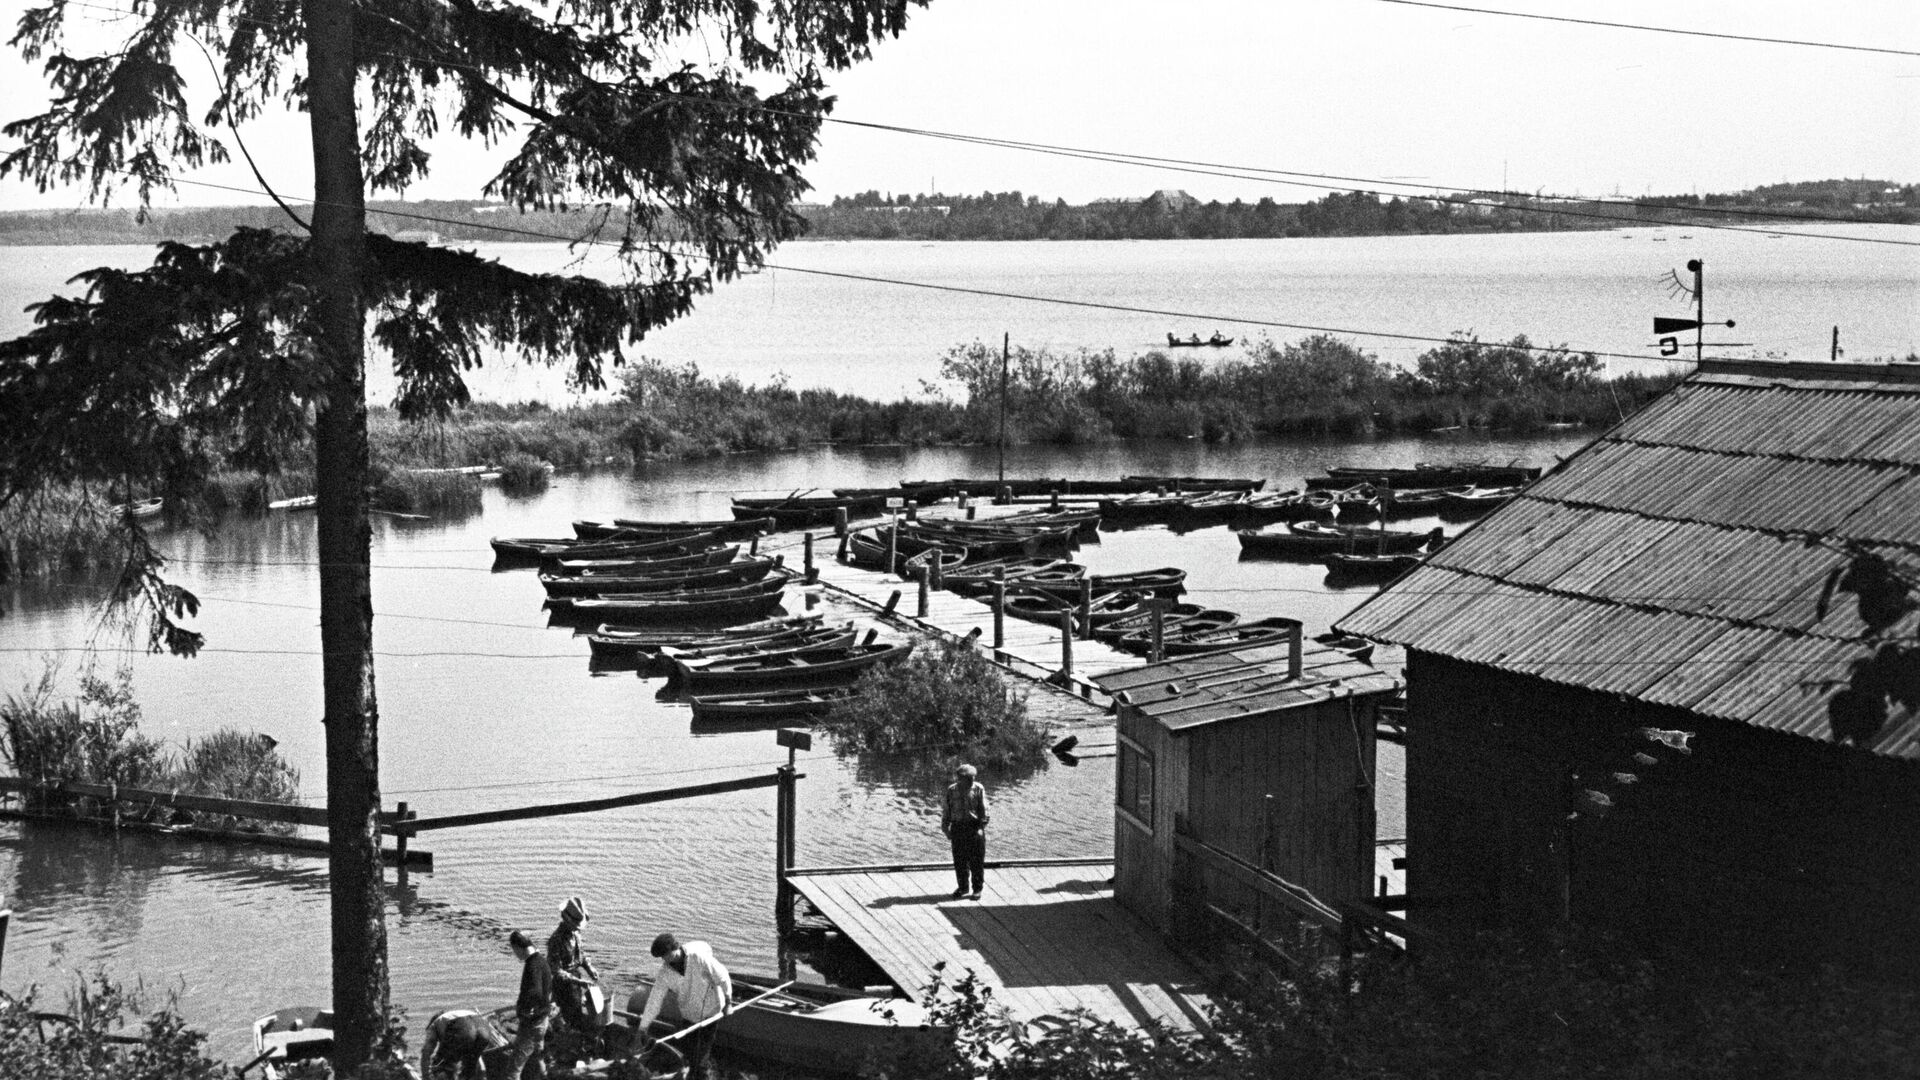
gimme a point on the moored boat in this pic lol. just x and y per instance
(1194, 641)
(809, 1026)
(1313, 539)
(1425, 475)
(1135, 634)
(644, 529)
(713, 556)
(765, 704)
(611, 641)
(742, 571)
(681, 659)
(804, 667)
(1473, 500)
(1360, 566)
(1167, 582)
(295, 1034)
(975, 578)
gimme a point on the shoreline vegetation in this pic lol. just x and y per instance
(1011, 215)
(1320, 386)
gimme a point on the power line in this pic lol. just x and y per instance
(1654, 29)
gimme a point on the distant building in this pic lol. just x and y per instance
(1173, 198)
(1642, 696)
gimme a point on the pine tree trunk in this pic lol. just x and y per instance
(345, 540)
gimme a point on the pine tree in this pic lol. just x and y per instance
(229, 353)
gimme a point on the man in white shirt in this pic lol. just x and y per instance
(701, 989)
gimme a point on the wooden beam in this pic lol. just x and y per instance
(264, 811)
(1262, 881)
(588, 806)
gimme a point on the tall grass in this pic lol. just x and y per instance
(60, 531)
(945, 703)
(95, 737)
(433, 494)
(523, 474)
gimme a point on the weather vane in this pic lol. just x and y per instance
(1668, 329)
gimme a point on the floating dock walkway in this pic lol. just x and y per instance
(1046, 936)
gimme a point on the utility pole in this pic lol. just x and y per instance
(1006, 346)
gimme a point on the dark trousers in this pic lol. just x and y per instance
(697, 1048)
(527, 1060)
(969, 857)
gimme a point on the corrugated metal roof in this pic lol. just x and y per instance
(1195, 691)
(1686, 557)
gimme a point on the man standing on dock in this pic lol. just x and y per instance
(964, 820)
(702, 990)
(530, 1009)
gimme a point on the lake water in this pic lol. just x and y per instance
(834, 314)
(484, 706)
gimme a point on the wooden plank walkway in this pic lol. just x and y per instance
(1046, 936)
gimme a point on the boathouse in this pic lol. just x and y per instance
(1245, 785)
(1671, 690)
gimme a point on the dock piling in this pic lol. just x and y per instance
(920, 574)
(813, 573)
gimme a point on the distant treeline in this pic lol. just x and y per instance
(1010, 215)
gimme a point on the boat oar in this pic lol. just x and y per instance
(717, 1016)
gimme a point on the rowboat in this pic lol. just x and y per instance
(978, 544)
(1125, 511)
(804, 667)
(684, 658)
(1425, 475)
(1136, 635)
(1085, 522)
(1044, 607)
(765, 705)
(1194, 641)
(610, 640)
(1363, 567)
(713, 556)
(1150, 482)
(1473, 500)
(798, 512)
(641, 528)
(603, 584)
(1312, 539)
(650, 657)
(974, 578)
(687, 607)
(1209, 508)
(295, 1034)
(811, 1027)
(512, 547)
(138, 508)
(1167, 582)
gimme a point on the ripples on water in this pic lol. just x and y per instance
(485, 706)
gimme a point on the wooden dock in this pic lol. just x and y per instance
(1047, 937)
(1027, 648)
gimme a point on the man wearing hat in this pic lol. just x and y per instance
(574, 978)
(701, 988)
(530, 1009)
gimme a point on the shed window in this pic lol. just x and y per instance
(1135, 788)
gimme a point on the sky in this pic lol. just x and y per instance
(1386, 93)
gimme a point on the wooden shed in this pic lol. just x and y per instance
(1671, 690)
(1241, 774)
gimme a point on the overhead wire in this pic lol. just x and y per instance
(1719, 34)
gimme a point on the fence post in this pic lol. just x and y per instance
(1066, 646)
(813, 573)
(999, 612)
(840, 521)
(1158, 649)
(920, 573)
(1006, 494)
(1086, 607)
(893, 601)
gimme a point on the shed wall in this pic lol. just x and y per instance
(1756, 845)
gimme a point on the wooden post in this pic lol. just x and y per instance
(913, 510)
(893, 542)
(892, 602)
(783, 848)
(1054, 496)
(960, 499)
(920, 573)
(970, 511)
(753, 546)
(842, 554)
(999, 611)
(840, 521)
(1066, 646)
(938, 566)
(1006, 494)
(806, 556)
(1158, 649)
(1086, 607)
(400, 838)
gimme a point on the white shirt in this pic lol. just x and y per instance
(705, 989)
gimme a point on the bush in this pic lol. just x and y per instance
(524, 474)
(945, 698)
(452, 494)
(94, 738)
(96, 1045)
